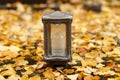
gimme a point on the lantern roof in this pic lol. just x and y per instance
(57, 15)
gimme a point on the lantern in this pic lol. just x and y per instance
(57, 37)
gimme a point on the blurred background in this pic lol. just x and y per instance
(86, 13)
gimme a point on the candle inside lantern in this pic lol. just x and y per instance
(58, 39)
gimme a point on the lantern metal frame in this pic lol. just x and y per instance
(57, 17)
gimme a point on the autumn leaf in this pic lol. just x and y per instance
(49, 74)
(73, 76)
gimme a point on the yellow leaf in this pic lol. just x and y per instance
(24, 77)
(35, 78)
(49, 74)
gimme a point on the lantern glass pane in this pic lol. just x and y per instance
(58, 40)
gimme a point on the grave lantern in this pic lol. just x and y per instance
(57, 37)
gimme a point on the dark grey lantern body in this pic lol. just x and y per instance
(50, 19)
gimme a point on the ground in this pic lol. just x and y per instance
(95, 45)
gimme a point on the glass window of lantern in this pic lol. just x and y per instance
(58, 39)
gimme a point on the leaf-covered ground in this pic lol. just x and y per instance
(95, 45)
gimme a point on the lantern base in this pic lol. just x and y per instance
(57, 63)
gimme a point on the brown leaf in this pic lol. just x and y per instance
(83, 51)
(88, 77)
(96, 78)
(80, 76)
(69, 71)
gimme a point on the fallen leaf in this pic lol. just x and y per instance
(69, 71)
(88, 77)
(49, 74)
(35, 78)
(56, 73)
(73, 76)
(61, 77)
